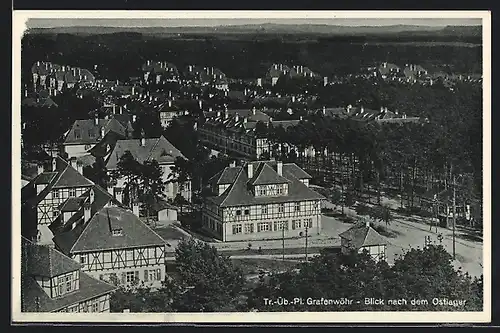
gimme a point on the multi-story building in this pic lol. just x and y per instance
(47, 75)
(158, 149)
(261, 200)
(234, 132)
(168, 112)
(52, 282)
(42, 197)
(363, 237)
(85, 134)
(114, 245)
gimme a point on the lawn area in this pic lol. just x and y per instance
(168, 233)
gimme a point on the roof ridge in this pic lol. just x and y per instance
(152, 149)
(83, 230)
(231, 188)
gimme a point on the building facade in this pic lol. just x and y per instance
(158, 149)
(114, 245)
(43, 196)
(52, 282)
(363, 237)
(262, 200)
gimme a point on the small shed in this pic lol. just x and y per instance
(165, 211)
(363, 237)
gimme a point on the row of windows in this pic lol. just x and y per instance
(275, 210)
(248, 228)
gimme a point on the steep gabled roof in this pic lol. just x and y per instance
(42, 260)
(361, 235)
(97, 233)
(239, 193)
(65, 176)
(266, 175)
(90, 132)
(159, 149)
(226, 176)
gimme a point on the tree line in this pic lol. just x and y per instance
(207, 281)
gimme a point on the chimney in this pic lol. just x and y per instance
(96, 121)
(134, 118)
(232, 164)
(362, 110)
(103, 132)
(250, 170)
(324, 111)
(87, 213)
(200, 104)
(25, 92)
(218, 114)
(149, 62)
(38, 63)
(259, 82)
(253, 110)
(92, 195)
(210, 109)
(114, 109)
(226, 115)
(169, 103)
(39, 168)
(293, 99)
(300, 118)
(367, 223)
(135, 208)
(236, 118)
(279, 168)
(79, 167)
(143, 141)
(54, 164)
(381, 109)
(63, 68)
(325, 81)
(190, 68)
(72, 162)
(120, 110)
(245, 120)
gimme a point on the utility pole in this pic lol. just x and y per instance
(283, 238)
(454, 213)
(307, 228)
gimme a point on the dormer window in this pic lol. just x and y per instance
(117, 232)
(65, 284)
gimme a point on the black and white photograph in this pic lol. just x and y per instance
(265, 166)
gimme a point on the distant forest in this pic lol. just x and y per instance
(120, 55)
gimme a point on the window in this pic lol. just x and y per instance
(247, 211)
(94, 306)
(279, 189)
(297, 206)
(130, 276)
(55, 194)
(308, 223)
(72, 192)
(281, 208)
(296, 224)
(263, 226)
(248, 228)
(73, 308)
(91, 133)
(236, 229)
(65, 284)
(83, 259)
(87, 147)
(152, 275)
(263, 191)
(55, 213)
(238, 212)
(280, 225)
(78, 134)
(117, 232)
(264, 209)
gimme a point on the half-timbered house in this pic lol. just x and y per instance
(363, 237)
(52, 282)
(116, 246)
(42, 197)
(262, 200)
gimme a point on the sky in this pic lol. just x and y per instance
(176, 22)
